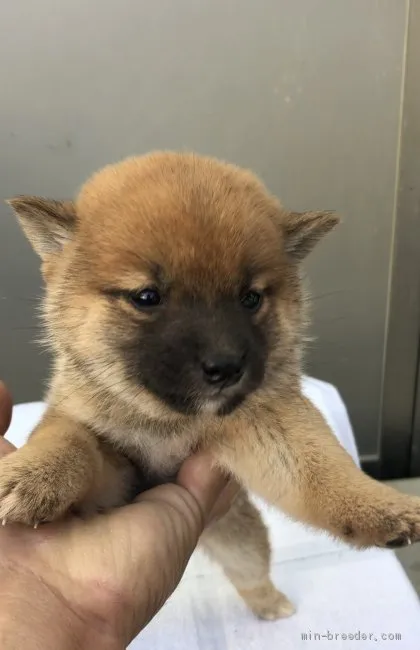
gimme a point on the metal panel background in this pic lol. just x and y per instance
(398, 441)
(307, 93)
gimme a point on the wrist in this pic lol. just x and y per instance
(32, 611)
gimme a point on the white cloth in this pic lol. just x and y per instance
(338, 592)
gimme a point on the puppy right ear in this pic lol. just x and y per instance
(48, 224)
(304, 229)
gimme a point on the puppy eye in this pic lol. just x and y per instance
(144, 299)
(252, 300)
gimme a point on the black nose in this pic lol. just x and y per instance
(223, 369)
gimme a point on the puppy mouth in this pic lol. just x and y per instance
(226, 405)
(226, 389)
(223, 398)
(219, 401)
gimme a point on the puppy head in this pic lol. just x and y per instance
(173, 280)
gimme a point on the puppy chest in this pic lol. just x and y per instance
(158, 458)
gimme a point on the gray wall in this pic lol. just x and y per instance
(307, 93)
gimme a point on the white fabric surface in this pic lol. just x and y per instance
(339, 592)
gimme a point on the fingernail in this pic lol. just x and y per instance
(225, 500)
(200, 476)
(5, 408)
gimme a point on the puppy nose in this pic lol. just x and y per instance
(223, 369)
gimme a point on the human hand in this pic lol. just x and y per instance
(99, 581)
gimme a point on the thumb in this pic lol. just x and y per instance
(204, 481)
(164, 526)
(199, 485)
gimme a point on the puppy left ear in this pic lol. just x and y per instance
(303, 230)
(48, 224)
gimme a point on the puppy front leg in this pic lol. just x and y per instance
(292, 459)
(63, 466)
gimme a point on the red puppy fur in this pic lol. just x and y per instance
(175, 311)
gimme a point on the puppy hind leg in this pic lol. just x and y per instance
(239, 543)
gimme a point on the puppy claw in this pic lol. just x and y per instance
(398, 542)
(393, 524)
(25, 496)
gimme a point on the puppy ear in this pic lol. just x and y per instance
(48, 224)
(304, 229)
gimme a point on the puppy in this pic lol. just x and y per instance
(175, 311)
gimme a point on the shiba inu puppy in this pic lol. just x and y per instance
(175, 311)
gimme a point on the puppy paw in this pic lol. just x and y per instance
(36, 488)
(267, 603)
(393, 523)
